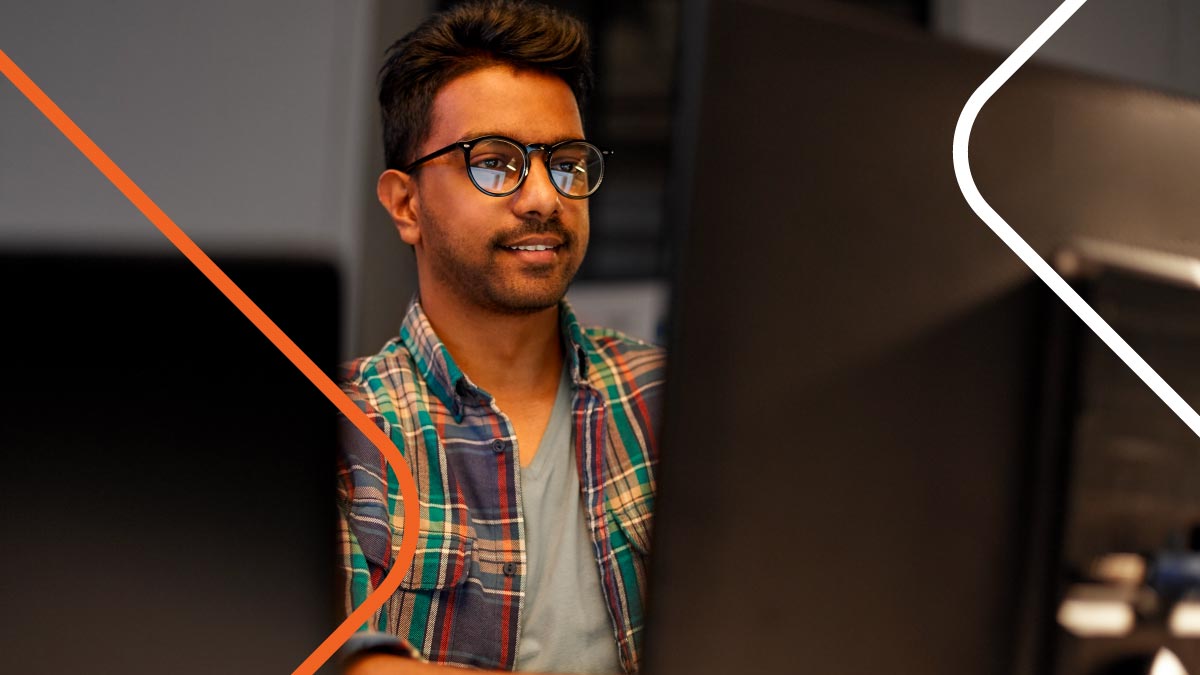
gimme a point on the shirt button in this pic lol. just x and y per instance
(510, 569)
(499, 445)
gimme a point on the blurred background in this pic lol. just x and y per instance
(254, 126)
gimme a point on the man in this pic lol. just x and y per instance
(532, 440)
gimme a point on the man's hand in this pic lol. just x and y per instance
(388, 664)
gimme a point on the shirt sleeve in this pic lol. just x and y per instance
(370, 642)
(362, 520)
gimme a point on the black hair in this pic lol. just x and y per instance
(465, 38)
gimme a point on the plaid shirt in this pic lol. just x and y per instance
(461, 601)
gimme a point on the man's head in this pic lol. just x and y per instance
(510, 69)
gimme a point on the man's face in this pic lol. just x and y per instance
(464, 239)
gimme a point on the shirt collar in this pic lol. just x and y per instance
(450, 384)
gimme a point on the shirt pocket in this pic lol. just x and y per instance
(441, 561)
(434, 583)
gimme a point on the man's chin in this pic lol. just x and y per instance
(526, 306)
(525, 301)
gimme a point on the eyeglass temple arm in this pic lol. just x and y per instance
(433, 155)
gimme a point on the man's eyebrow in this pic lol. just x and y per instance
(479, 134)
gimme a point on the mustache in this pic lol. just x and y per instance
(550, 226)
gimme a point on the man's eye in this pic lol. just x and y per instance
(569, 167)
(487, 162)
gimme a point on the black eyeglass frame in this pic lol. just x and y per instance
(526, 149)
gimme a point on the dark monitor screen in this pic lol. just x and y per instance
(853, 407)
(166, 497)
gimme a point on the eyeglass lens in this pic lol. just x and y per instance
(496, 166)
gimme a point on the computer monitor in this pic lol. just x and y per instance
(167, 491)
(854, 400)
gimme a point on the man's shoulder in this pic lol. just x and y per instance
(615, 353)
(392, 355)
(625, 341)
(363, 378)
(376, 384)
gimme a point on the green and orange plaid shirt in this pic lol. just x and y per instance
(461, 601)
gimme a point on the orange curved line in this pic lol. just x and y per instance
(143, 203)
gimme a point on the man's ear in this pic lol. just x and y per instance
(397, 193)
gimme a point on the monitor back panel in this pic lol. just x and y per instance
(856, 380)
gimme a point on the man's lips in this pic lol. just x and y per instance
(534, 244)
(539, 251)
(533, 247)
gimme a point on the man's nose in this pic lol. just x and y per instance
(537, 197)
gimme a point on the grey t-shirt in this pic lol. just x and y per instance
(565, 626)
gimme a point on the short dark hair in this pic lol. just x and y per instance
(465, 38)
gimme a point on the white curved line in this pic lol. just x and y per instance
(962, 171)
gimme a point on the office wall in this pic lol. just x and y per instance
(1150, 42)
(248, 122)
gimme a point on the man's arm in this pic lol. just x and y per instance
(354, 570)
(387, 664)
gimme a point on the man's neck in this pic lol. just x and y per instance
(509, 356)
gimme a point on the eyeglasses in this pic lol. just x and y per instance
(498, 165)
